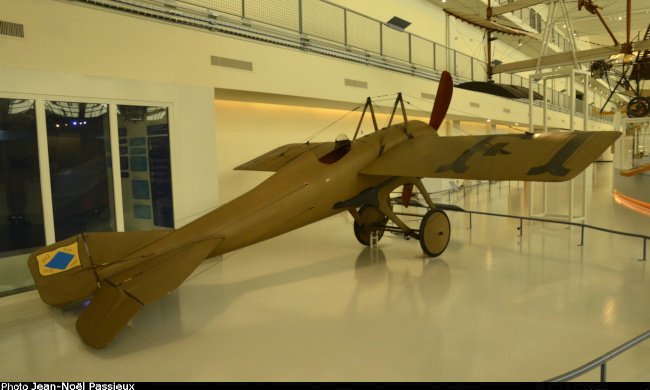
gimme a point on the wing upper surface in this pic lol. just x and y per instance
(281, 156)
(529, 157)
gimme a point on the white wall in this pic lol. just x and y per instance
(247, 130)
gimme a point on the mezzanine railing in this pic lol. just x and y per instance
(324, 27)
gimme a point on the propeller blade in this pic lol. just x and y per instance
(407, 192)
(443, 98)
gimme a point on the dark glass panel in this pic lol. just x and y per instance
(79, 152)
(21, 210)
(21, 207)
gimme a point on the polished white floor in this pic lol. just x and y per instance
(314, 305)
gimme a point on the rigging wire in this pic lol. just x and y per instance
(308, 139)
(462, 112)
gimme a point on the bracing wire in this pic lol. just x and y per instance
(317, 133)
(462, 112)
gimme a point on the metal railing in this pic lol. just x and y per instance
(479, 183)
(600, 361)
(532, 18)
(582, 226)
(331, 29)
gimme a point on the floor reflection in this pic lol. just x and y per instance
(189, 308)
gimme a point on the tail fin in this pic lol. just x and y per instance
(443, 99)
(99, 264)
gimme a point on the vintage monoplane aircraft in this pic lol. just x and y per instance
(126, 271)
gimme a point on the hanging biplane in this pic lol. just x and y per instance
(629, 62)
(630, 66)
(126, 271)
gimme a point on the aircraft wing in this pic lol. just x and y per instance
(561, 59)
(279, 157)
(527, 157)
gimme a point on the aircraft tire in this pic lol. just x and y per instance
(434, 232)
(638, 107)
(372, 219)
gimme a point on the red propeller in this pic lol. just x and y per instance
(443, 98)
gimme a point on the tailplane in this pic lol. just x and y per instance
(113, 267)
(66, 270)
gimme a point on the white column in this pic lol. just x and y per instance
(44, 167)
(115, 162)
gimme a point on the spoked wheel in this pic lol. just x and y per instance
(434, 232)
(372, 220)
(638, 107)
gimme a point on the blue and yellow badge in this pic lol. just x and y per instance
(61, 259)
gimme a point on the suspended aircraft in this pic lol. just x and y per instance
(123, 272)
(629, 62)
(631, 67)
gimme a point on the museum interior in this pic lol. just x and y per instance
(201, 259)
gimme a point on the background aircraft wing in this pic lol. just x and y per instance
(527, 157)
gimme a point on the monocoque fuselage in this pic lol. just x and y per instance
(305, 190)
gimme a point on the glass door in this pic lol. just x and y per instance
(78, 138)
(21, 210)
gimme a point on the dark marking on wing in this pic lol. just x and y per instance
(484, 146)
(555, 166)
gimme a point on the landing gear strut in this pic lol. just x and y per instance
(434, 229)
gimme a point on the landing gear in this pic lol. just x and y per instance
(434, 229)
(371, 220)
(434, 232)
